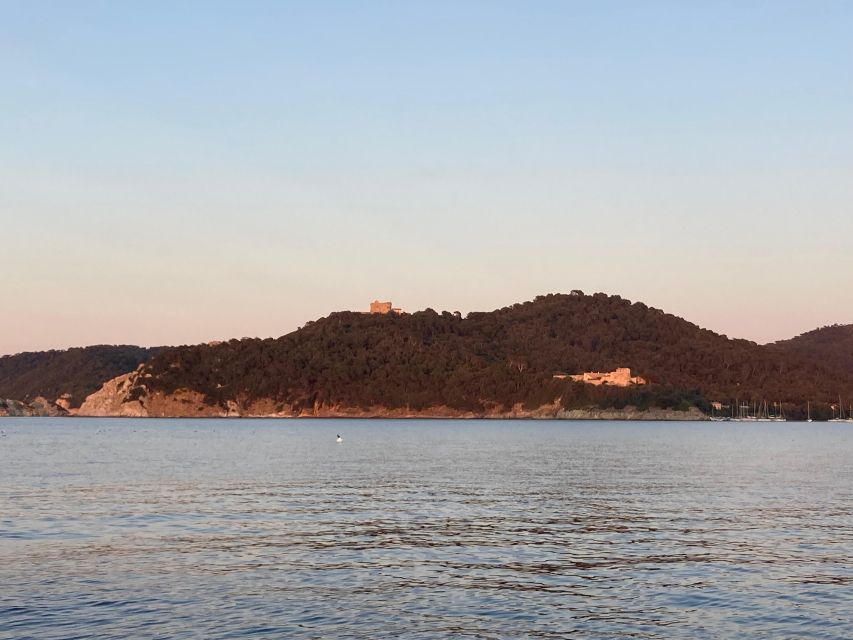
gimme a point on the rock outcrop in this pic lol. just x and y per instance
(41, 406)
(38, 407)
(127, 396)
(14, 408)
(113, 399)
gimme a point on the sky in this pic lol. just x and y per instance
(174, 173)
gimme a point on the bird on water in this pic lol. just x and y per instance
(339, 438)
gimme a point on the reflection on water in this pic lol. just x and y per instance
(250, 528)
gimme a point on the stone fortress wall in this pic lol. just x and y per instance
(621, 377)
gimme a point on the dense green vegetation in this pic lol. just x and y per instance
(832, 345)
(78, 372)
(502, 358)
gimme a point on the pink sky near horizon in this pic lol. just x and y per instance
(179, 176)
(166, 325)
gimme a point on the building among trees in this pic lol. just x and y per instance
(621, 377)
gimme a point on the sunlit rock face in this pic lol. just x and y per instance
(113, 399)
(127, 396)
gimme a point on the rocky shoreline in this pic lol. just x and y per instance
(184, 407)
(121, 397)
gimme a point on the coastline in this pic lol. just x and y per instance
(19, 409)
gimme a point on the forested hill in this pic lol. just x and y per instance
(500, 358)
(831, 345)
(78, 371)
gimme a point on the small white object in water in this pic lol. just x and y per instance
(339, 438)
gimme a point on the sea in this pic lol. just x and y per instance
(231, 528)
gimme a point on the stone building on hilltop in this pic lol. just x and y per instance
(383, 307)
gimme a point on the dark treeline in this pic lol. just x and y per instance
(78, 371)
(506, 357)
(832, 345)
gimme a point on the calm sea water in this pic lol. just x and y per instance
(267, 528)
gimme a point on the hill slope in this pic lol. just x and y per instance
(484, 362)
(831, 345)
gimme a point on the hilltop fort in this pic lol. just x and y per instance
(383, 308)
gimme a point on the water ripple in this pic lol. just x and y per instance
(248, 529)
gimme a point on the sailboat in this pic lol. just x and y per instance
(780, 414)
(841, 417)
(808, 412)
(744, 413)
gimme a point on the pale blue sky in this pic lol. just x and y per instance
(181, 172)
